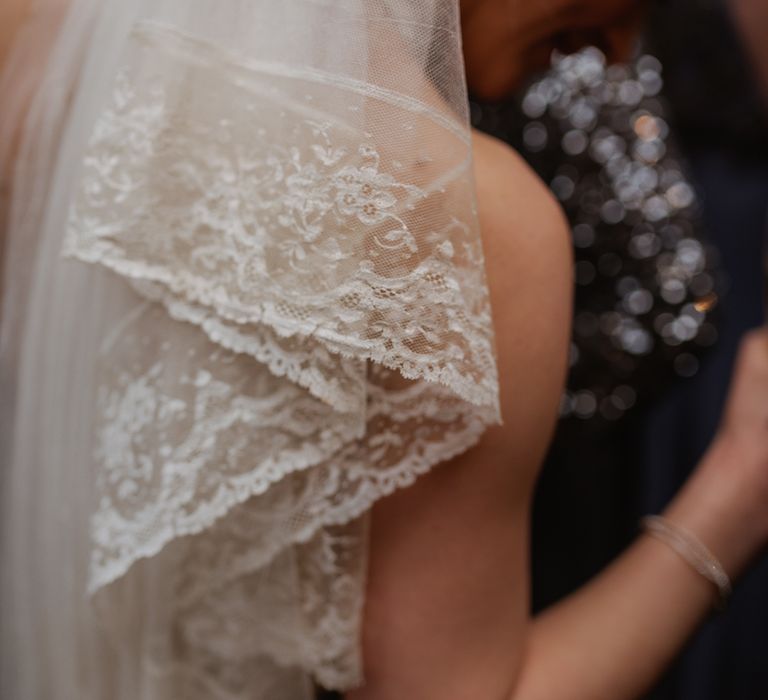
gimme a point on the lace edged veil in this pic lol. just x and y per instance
(244, 298)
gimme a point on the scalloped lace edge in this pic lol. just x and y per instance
(464, 387)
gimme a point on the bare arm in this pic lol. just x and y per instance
(447, 613)
(615, 636)
(447, 606)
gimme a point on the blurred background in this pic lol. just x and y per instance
(661, 166)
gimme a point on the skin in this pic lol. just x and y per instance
(447, 614)
(507, 40)
(751, 19)
(22, 64)
(12, 14)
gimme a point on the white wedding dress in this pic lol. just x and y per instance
(244, 298)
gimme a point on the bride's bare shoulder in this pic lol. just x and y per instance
(529, 266)
(515, 203)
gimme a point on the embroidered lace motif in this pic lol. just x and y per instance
(311, 331)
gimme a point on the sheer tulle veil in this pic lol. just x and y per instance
(243, 298)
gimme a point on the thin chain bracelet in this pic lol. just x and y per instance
(690, 548)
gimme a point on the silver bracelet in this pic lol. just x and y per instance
(690, 548)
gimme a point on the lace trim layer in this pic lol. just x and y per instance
(307, 329)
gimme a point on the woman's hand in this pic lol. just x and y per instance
(725, 502)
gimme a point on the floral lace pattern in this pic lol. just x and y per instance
(314, 237)
(311, 331)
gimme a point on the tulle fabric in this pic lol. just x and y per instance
(244, 299)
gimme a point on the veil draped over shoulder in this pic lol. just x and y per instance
(244, 298)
